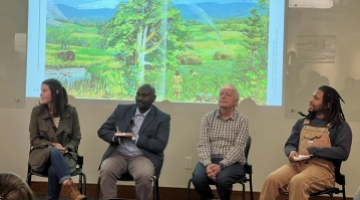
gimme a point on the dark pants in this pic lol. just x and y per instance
(58, 171)
(224, 180)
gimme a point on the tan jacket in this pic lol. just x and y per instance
(42, 135)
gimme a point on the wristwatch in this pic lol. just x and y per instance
(222, 166)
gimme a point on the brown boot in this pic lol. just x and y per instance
(73, 192)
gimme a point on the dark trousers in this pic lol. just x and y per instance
(224, 180)
(58, 171)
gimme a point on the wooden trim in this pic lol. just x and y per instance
(166, 193)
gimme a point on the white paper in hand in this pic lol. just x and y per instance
(122, 134)
(302, 157)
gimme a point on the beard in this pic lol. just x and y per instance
(315, 112)
(312, 112)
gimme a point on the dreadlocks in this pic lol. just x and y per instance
(333, 114)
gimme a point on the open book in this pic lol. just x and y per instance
(121, 134)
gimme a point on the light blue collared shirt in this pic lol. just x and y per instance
(127, 146)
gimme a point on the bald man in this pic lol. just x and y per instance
(223, 137)
(137, 135)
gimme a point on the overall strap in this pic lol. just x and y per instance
(306, 121)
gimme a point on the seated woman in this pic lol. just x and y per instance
(55, 137)
(12, 187)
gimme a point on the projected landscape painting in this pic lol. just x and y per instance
(186, 48)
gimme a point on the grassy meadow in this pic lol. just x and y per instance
(109, 80)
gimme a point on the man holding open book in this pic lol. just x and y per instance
(316, 142)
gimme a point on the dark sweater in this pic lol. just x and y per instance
(340, 137)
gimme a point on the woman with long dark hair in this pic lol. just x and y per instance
(54, 139)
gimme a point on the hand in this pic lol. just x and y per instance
(210, 169)
(212, 177)
(217, 169)
(60, 147)
(304, 152)
(292, 155)
(301, 162)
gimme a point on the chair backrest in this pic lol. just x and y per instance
(247, 147)
(339, 178)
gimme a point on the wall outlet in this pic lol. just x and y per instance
(188, 163)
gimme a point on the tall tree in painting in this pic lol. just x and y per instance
(264, 4)
(138, 28)
(255, 32)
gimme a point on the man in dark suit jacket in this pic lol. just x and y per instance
(138, 135)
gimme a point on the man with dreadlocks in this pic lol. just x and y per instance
(323, 138)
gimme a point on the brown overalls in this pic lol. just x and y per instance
(302, 178)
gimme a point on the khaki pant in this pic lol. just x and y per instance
(140, 168)
(299, 181)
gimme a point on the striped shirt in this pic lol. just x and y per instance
(223, 138)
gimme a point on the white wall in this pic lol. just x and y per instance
(269, 130)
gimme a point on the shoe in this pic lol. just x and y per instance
(73, 192)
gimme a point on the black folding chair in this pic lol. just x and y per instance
(242, 181)
(339, 179)
(77, 172)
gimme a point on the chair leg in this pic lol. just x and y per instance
(80, 183)
(84, 181)
(243, 191)
(331, 196)
(97, 189)
(188, 190)
(156, 189)
(28, 179)
(343, 191)
(251, 189)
